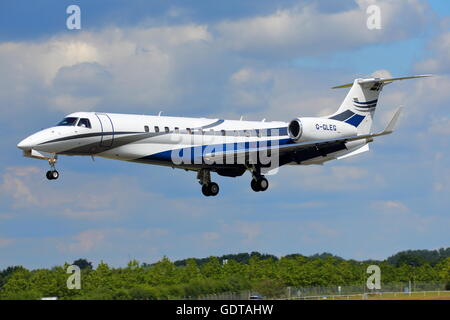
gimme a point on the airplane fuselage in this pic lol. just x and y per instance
(155, 139)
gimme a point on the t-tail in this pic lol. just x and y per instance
(358, 107)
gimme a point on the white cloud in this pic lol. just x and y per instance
(440, 126)
(330, 178)
(439, 62)
(110, 67)
(27, 188)
(86, 241)
(390, 206)
(303, 30)
(113, 240)
(171, 67)
(13, 184)
(250, 231)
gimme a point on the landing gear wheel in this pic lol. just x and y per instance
(254, 185)
(261, 184)
(55, 174)
(52, 175)
(205, 190)
(213, 189)
(208, 188)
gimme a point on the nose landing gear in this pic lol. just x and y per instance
(52, 174)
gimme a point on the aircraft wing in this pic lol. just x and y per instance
(295, 150)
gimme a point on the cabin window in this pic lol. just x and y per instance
(223, 132)
(189, 131)
(156, 129)
(166, 129)
(258, 133)
(177, 130)
(85, 123)
(69, 121)
(146, 128)
(247, 133)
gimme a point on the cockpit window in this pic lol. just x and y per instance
(69, 121)
(84, 123)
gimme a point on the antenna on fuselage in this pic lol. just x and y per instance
(242, 117)
(159, 114)
(263, 120)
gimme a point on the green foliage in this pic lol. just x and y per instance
(242, 258)
(83, 264)
(269, 288)
(5, 274)
(419, 257)
(265, 274)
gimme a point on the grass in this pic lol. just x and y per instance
(425, 295)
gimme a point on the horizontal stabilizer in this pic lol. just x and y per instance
(382, 80)
(364, 148)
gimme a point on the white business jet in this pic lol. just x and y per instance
(226, 147)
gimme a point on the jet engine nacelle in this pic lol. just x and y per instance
(308, 128)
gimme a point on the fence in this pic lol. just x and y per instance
(333, 292)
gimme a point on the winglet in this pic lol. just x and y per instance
(390, 127)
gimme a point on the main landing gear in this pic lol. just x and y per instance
(208, 188)
(258, 183)
(52, 174)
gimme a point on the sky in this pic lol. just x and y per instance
(256, 58)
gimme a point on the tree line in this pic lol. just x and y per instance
(190, 278)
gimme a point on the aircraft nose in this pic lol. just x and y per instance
(25, 144)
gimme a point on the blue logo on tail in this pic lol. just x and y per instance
(349, 117)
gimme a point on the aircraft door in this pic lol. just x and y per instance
(107, 127)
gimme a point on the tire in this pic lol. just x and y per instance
(213, 189)
(205, 190)
(49, 175)
(54, 174)
(255, 186)
(263, 184)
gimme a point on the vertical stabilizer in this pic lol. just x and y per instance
(358, 107)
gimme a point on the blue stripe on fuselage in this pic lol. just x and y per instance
(199, 150)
